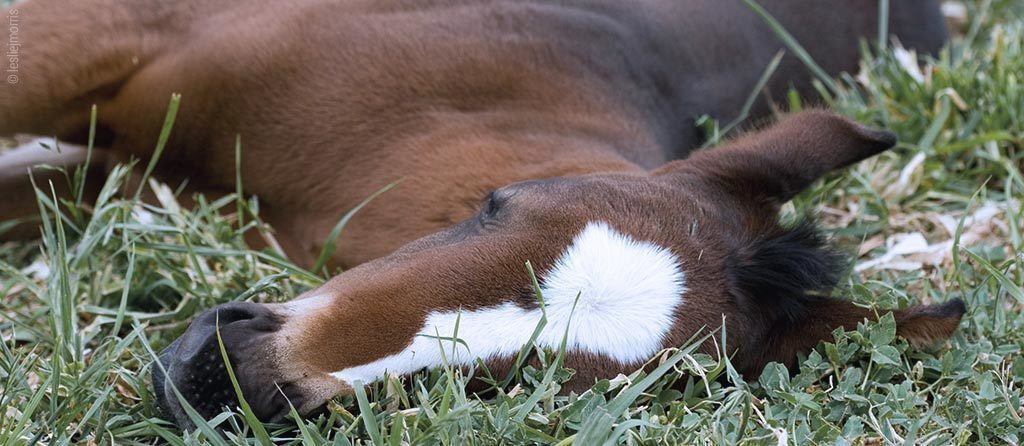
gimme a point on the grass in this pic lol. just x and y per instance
(937, 218)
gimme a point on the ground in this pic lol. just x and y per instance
(937, 218)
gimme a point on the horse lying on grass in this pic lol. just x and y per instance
(570, 117)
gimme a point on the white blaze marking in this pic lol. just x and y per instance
(628, 293)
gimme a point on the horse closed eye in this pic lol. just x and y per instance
(492, 206)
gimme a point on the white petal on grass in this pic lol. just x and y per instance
(907, 59)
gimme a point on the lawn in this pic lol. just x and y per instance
(937, 218)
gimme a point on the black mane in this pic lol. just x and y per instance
(780, 272)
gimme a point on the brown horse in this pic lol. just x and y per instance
(566, 115)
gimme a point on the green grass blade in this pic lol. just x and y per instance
(330, 245)
(239, 197)
(161, 143)
(366, 413)
(1011, 288)
(82, 172)
(883, 23)
(798, 50)
(250, 417)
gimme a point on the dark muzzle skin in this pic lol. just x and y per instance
(193, 365)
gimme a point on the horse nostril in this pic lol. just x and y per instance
(234, 312)
(201, 335)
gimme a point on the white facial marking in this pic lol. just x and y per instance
(628, 293)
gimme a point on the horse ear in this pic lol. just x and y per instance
(779, 162)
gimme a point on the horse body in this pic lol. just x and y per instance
(569, 113)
